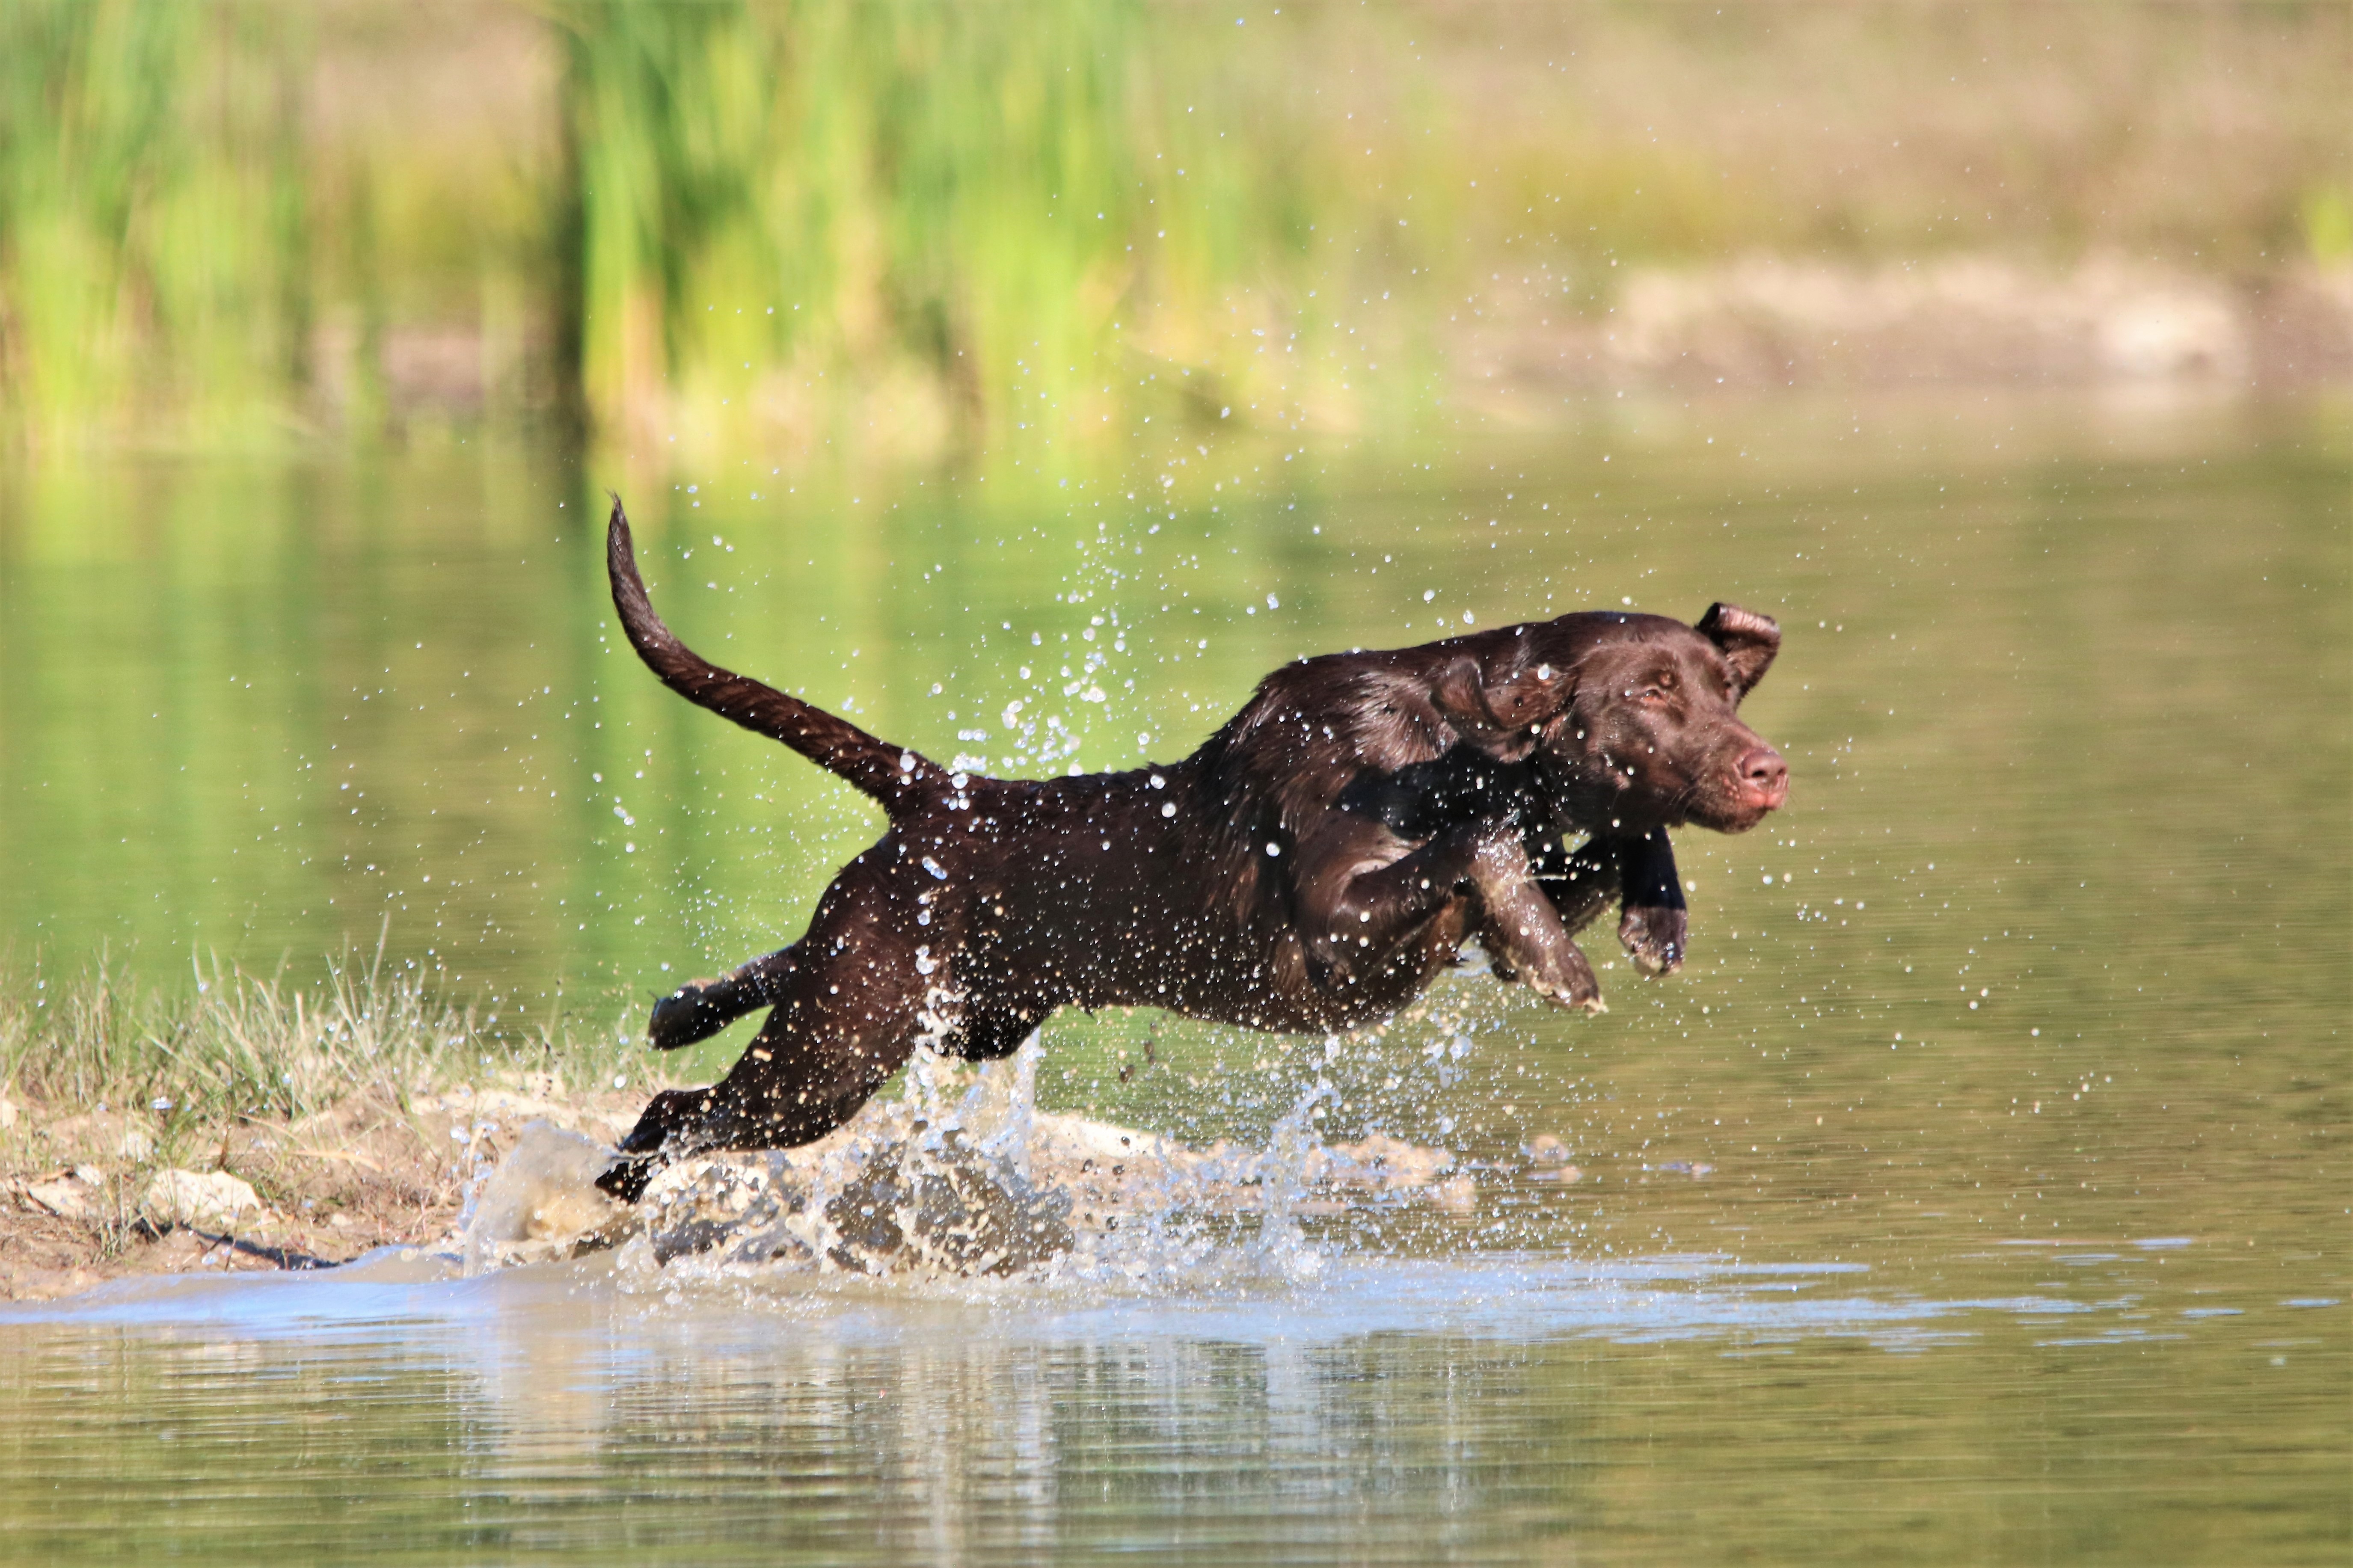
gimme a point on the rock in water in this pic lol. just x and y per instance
(747, 1207)
(940, 1204)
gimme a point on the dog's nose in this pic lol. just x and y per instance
(1764, 777)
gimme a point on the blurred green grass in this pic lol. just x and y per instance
(901, 228)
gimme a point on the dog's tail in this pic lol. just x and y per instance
(894, 776)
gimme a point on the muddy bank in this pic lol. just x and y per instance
(1528, 346)
(96, 1195)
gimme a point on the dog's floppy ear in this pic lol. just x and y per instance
(1747, 640)
(1422, 715)
(1528, 696)
(1515, 704)
(1405, 716)
(1498, 719)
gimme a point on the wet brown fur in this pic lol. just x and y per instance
(1314, 866)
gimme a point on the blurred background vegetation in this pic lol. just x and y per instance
(904, 229)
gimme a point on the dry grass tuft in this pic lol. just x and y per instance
(359, 1113)
(245, 1047)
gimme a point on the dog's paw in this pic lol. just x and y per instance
(1561, 976)
(625, 1179)
(692, 1011)
(653, 1141)
(1654, 937)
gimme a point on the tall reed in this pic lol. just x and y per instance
(902, 226)
(880, 221)
(152, 223)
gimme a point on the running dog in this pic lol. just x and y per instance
(1314, 866)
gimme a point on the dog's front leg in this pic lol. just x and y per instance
(1522, 932)
(1656, 924)
(1580, 882)
(1521, 929)
(1639, 870)
(1358, 897)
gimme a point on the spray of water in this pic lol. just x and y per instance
(962, 1182)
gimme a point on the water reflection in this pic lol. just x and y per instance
(1393, 1412)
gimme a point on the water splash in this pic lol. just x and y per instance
(541, 1202)
(1282, 1183)
(965, 1181)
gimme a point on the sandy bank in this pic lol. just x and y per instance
(499, 1175)
(91, 1195)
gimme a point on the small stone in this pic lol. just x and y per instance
(213, 1199)
(67, 1197)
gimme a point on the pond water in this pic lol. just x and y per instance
(1976, 1192)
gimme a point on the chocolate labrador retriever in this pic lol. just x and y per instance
(1313, 867)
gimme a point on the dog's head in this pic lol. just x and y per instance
(1640, 724)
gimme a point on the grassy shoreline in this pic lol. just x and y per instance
(349, 1116)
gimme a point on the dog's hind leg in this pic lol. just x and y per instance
(701, 1008)
(850, 1011)
(987, 1033)
(784, 1093)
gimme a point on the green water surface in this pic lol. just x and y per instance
(1976, 1193)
